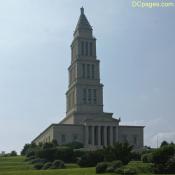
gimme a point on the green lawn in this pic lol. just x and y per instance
(18, 166)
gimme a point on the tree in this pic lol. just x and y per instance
(164, 143)
(119, 151)
(13, 153)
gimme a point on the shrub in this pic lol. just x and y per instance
(163, 154)
(126, 171)
(75, 145)
(90, 158)
(13, 153)
(65, 154)
(110, 169)
(119, 151)
(147, 158)
(38, 166)
(136, 156)
(163, 159)
(101, 167)
(30, 153)
(170, 165)
(57, 164)
(37, 160)
(117, 164)
(48, 154)
(130, 171)
(47, 165)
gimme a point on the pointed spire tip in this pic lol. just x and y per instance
(82, 10)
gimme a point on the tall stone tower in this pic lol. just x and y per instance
(85, 92)
(85, 120)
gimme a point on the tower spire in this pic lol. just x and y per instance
(83, 23)
(82, 10)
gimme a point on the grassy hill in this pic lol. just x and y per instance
(18, 166)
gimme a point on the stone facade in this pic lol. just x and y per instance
(85, 120)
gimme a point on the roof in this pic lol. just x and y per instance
(83, 23)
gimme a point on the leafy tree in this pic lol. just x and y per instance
(13, 153)
(164, 143)
(119, 151)
(164, 159)
(91, 158)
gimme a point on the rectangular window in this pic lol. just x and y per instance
(135, 140)
(94, 96)
(86, 48)
(84, 96)
(93, 71)
(89, 96)
(82, 48)
(74, 137)
(88, 70)
(83, 70)
(63, 138)
(90, 47)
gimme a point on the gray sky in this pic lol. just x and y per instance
(136, 49)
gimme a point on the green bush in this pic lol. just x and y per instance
(163, 159)
(129, 171)
(38, 166)
(116, 164)
(30, 158)
(126, 171)
(119, 151)
(101, 167)
(110, 169)
(65, 154)
(163, 154)
(48, 154)
(75, 145)
(91, 158)
(37, 160)
(170, 165)
(147, 158)
(57, 164)
(46, 166)
(13, 153)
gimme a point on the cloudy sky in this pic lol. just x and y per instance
(136, 49)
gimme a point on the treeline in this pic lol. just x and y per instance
(163, 158)
(45, 154)
(108, 159)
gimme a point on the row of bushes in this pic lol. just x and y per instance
(52, 151)
(57, 164)
(114, 167)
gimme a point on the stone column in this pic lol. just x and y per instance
(111, 135)
(99, 135)
(86, 135)
(93, 132)
(105, 135)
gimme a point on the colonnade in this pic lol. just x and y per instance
(101, 135)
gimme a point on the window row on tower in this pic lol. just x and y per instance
(72, 74)
(88, 71)
(89, 96)
(71, 100)
(86, 48)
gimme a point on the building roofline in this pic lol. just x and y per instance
(136, 126)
